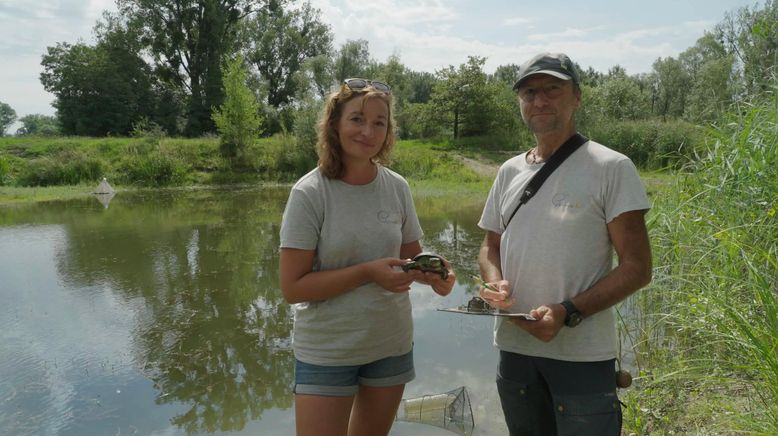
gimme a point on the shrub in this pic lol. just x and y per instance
(64, 168)
(306, 122)
(155, 169)
(650, 144)
(5, 171)
(281, 158)
(144, 128)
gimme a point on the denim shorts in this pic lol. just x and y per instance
(344, 381)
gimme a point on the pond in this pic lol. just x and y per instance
(161, 314)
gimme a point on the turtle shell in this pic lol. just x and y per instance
(428, 262)
(477, 304)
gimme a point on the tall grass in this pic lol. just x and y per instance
(709, 339)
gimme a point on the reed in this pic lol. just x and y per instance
(708, 338)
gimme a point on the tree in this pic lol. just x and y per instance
(590, 76)
(315, 75)
(352, 60)
(463, 99)
(671, 87)
(507, 74)
(278, 44)
(7, 117)
(38, 124)
(618, 97)
(101, 89)
(751, 35)
(421, 83)
(96, 91)
(188, 39)
(396, 75)
(237, 119)
(711, 70)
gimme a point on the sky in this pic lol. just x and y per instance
(427, 35)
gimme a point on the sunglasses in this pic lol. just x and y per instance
(360, 84)
(551, 91)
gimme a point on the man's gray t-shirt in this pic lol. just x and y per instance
(347, 225)
(557, 245)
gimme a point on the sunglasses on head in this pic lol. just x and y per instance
(360, 84)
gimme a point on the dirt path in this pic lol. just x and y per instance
(479, 167)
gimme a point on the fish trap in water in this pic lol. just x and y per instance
(450, 410)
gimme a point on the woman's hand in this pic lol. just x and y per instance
(439, 285)
(388, 274)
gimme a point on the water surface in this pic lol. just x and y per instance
(161, 314)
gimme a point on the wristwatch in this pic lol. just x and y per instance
(573, 317)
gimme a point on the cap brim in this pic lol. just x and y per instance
(556, 74)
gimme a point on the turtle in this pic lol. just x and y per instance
(428, 262)
(477, 304)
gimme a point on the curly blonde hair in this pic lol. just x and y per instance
(328, 145)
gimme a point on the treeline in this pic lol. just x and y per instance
(160, 65)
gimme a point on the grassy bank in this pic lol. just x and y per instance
(42, 169)
(39, 169)
(13, 194)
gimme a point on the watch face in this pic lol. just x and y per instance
(574, 319)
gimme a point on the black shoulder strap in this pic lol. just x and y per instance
(556, 159)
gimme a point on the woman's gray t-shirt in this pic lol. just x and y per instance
(347, 225)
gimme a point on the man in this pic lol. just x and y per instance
(554, 259)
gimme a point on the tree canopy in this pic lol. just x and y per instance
(7, 117)
(162, 60)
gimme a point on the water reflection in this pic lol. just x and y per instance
(205, 268)
(171, 296)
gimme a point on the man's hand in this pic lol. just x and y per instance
(499, 296)
(550, 319)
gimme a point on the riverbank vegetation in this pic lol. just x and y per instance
(706, 337)
(169, 162)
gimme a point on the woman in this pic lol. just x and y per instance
(348, 227)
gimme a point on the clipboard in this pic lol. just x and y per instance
(494, 312)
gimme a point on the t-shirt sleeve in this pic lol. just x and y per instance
(625, 191)
(411, 229)
(301, 222)
(491, 219)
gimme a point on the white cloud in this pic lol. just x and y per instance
(25, 32)
(556, 36)
(20, 87)
(427, 37)
(516, 21)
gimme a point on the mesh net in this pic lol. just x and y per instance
(450, 410)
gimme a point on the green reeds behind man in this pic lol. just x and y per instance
(707, 347)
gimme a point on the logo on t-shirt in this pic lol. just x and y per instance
(388, 217)
(565, 201)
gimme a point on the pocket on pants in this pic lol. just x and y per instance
(595, 414)
(520, 416)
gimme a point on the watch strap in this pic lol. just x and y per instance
(571, 309)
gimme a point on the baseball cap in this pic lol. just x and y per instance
(555, 64)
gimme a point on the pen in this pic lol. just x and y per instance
(483, 283)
